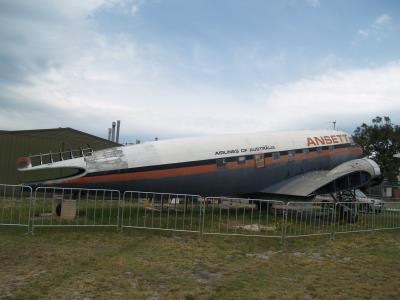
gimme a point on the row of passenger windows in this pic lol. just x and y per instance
(259, 158)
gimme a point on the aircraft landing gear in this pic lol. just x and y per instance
(347, 208)
(347, 212)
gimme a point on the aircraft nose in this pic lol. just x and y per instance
(23, 162)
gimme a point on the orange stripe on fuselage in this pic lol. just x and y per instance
(183, 171)
(147, 174)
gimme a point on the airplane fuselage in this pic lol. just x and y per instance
(239, 164)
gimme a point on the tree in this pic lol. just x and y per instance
(381, 141)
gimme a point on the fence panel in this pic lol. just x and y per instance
(246, 217)
(15, 204)
(55, 206)
(387, 216)
(309, 219)
(355, 217)
(161, 211)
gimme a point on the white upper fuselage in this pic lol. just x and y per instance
(200, 148)
(220, 146)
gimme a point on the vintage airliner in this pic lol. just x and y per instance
(291, 164)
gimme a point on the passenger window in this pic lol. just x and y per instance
(276, 155)
(291, 153)
(306, 151)
(319, 150)
(259, 158)
(221, 162)
(241, 160)
(331, 148)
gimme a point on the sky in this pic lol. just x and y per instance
(176, 68)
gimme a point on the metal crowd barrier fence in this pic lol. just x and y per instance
(328, 218)
(161, 211)
(386, 216)
(309, 219)
(15, 205)
(245, 217)
(53, 206)
(354, 217)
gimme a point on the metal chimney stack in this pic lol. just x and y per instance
(113, 132)
(118, 126)
(109, 134)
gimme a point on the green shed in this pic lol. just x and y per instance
(14, 144)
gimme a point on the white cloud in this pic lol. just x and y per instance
(377, 30)
(349, 96)
(91, 92)
(313, 3)
(127, 7)
(363, 33)
(382, 20)
(134, 9)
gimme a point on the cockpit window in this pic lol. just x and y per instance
(360, 194)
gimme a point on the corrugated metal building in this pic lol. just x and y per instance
(14, 144)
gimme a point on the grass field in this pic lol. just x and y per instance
(87, 263)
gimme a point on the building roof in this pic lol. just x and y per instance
(65, 132)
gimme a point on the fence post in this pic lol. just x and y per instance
(120, 210)
(373, 218)
(201, 221)
(30, 229)
(284, 224)
(333, 222)
(32, 214)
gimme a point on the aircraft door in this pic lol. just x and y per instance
(304, 158)
(291, 163)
